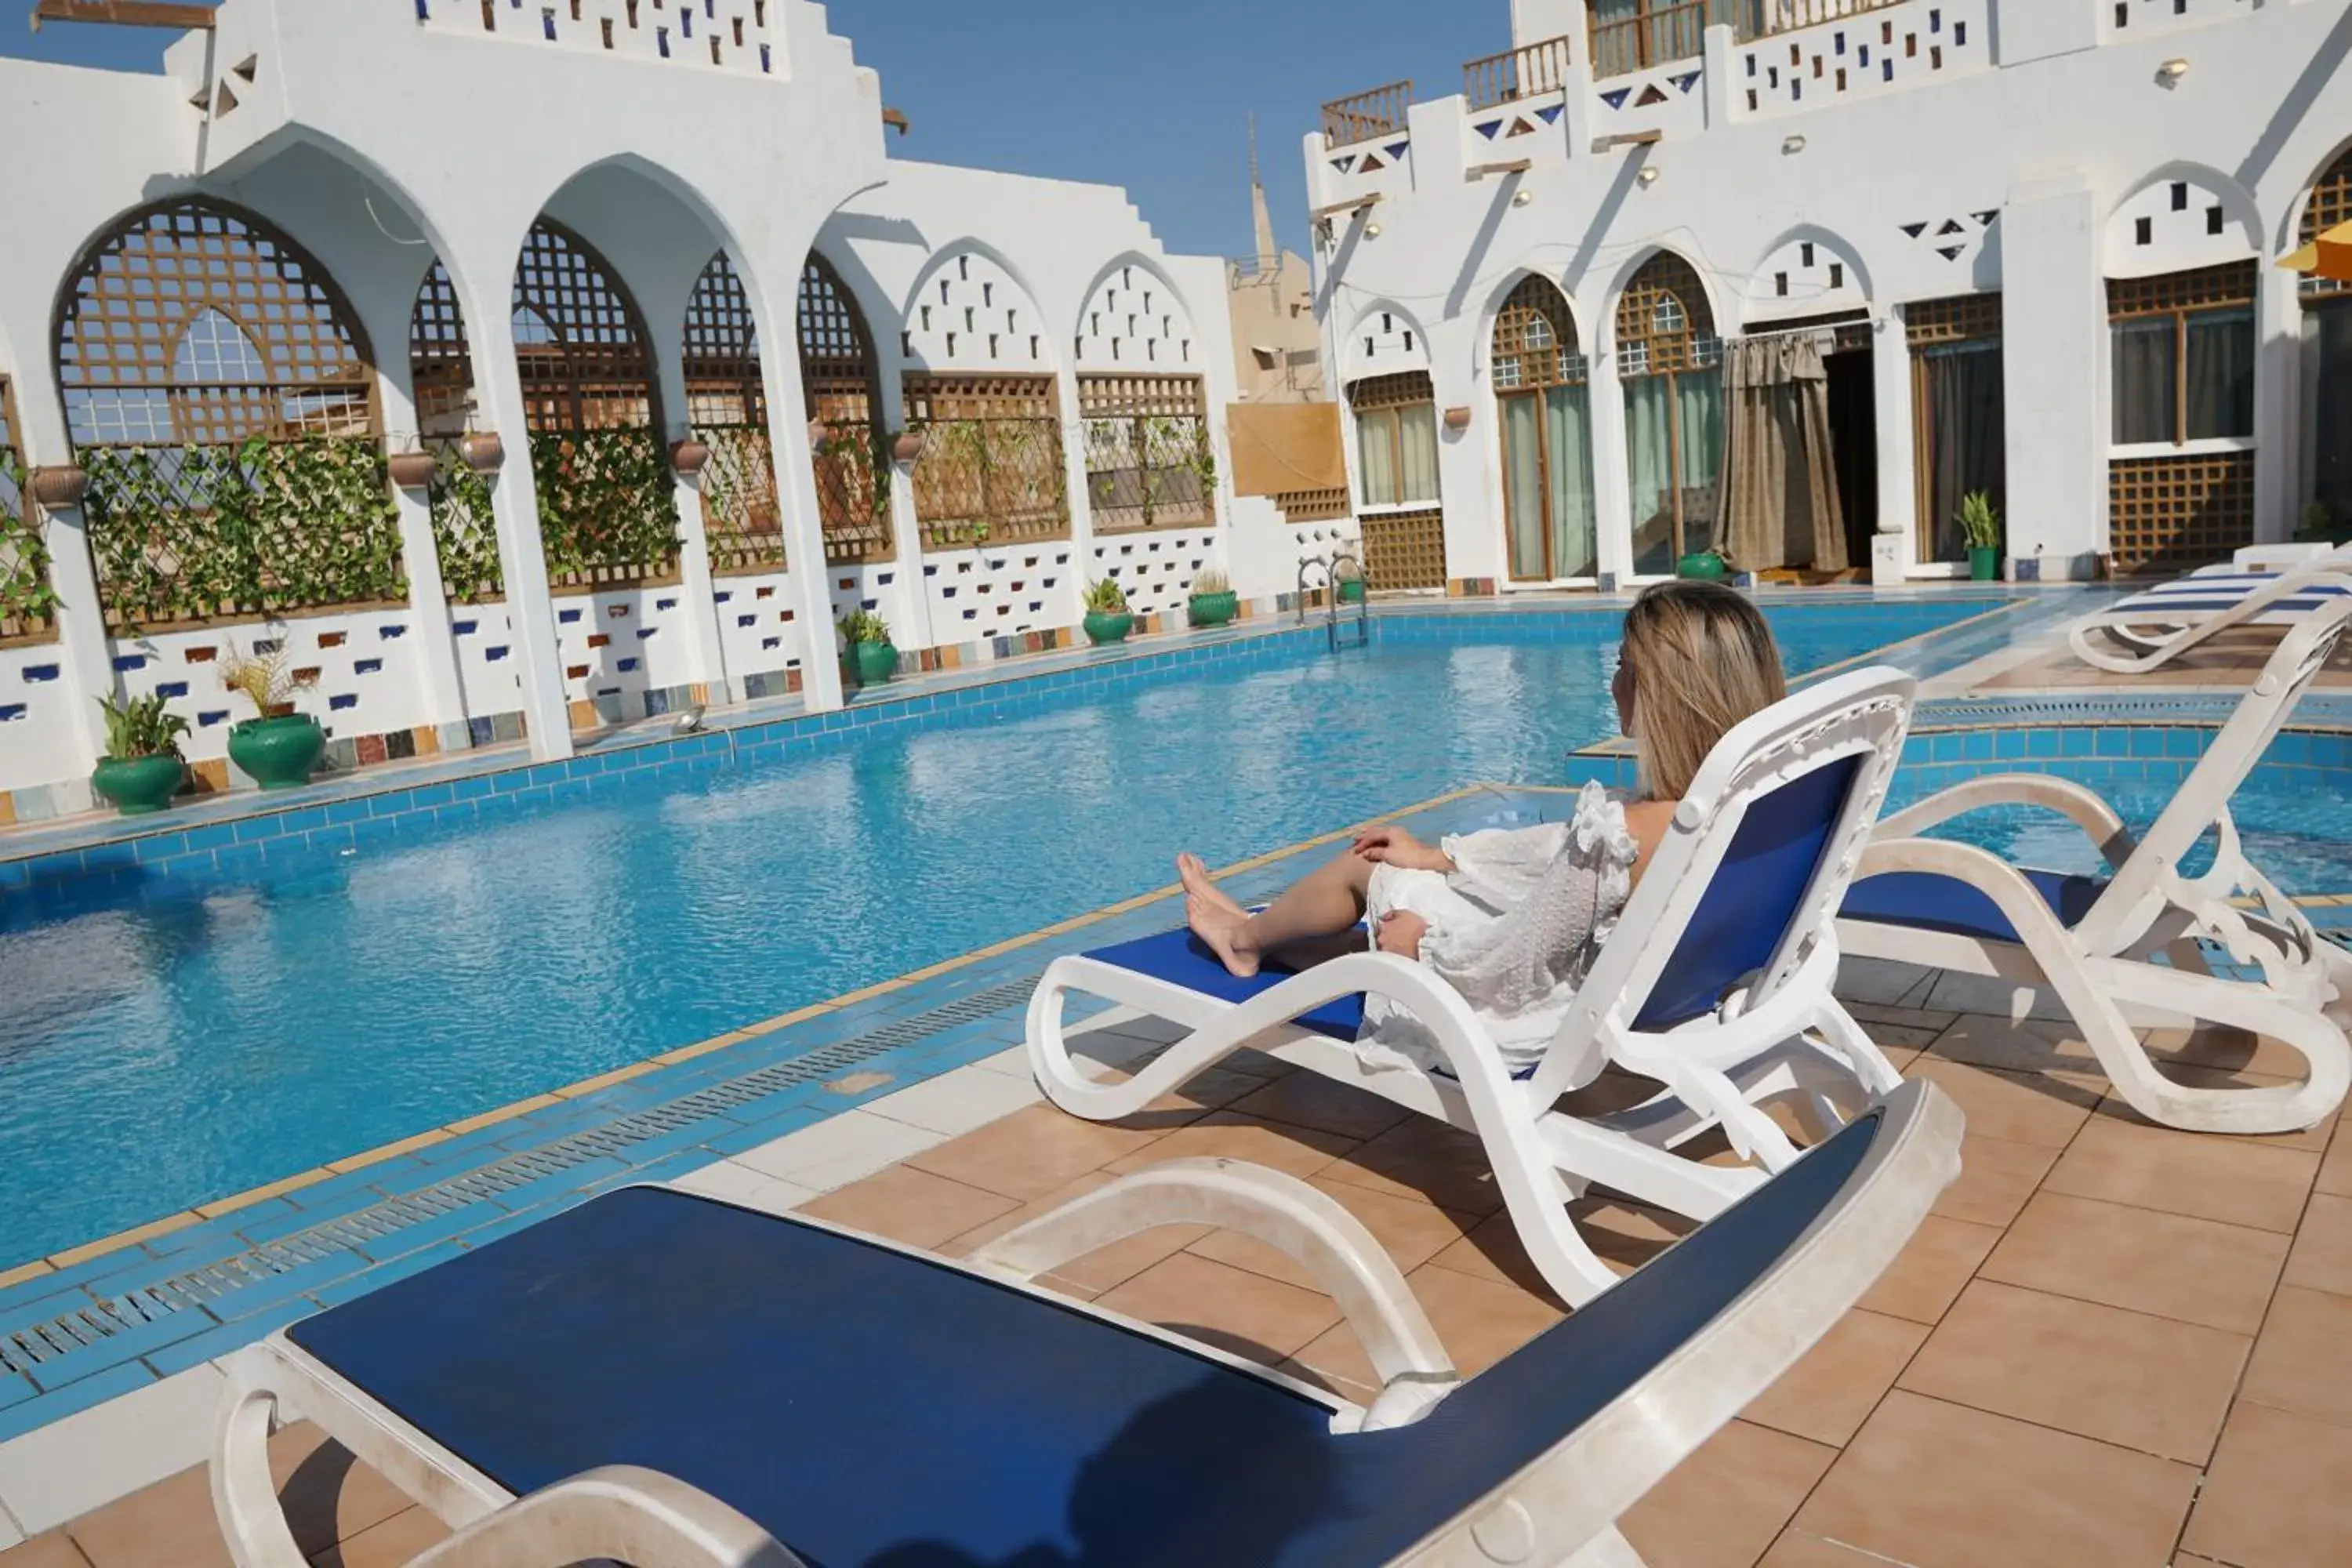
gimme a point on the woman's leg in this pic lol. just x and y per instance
(1323, 903)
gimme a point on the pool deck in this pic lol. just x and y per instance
(2112, 1343)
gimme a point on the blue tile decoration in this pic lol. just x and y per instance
(34, 674)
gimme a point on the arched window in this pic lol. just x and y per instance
(210, 370)
(2328, 352)
(728, 406)
(1547, 427)
(441, 382)
(853, 470)
(1671, 362)
(607, 498)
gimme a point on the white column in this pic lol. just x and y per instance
(1897, 546)
(1719, 84)
(431, 644)
(2278, 405)
(1469, 471)
(1064, 608)
(2053, 299)
(706, 659)
(82, 645)
(522, 557)
(1612, 484)
(906, 524)
(796, 493)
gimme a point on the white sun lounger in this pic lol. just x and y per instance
(1716, 982)
(2151, 629)
(672, 1382)
(2093, 941)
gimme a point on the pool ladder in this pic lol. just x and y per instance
(1331, 565)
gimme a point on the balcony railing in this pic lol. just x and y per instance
(1765, 17)
(1378, 112)
(1635, 34)
(1515, 74)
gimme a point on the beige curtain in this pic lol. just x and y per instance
(1780, 499)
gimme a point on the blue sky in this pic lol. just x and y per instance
(1153, 97)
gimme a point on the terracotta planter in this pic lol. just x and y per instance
(905, 446)
(483, 451)
(410, 470)
(688, 456)
(61, 485)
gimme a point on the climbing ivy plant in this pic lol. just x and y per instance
(607, 505)
(195, 533)
(465, 529)
(29, 604)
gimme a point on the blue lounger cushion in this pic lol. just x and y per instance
(1925, 901)
(874, 1409)
(1182, 959)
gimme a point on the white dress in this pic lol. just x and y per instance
(1514, 928)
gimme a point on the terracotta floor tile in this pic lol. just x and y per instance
(1231, 1308)
(1623, 1235)
(2301, 1360)
(2277, 1495)
(1829, 1394)
(168, 1522)
(1095, 1272)
(391, 1544)
(1926, 1278)
(1996, 1178)
(1795, 1549)
(2230, 1050)
(1310, 1099)
(2336, 1170)
(2125, 1378)
(2207, 1176)
(905, 1204)
(1228, 1135)
(1942, 1486)
(1411, 1233)
(1870, 1014)
(1479, 1322)
(328, 1495)
(1425, 1158)
(1722, 1507)
(54, 1550)
(2042, 1109)
(1030, 1151)
(2195, 1270)
(2311, 1138)
(2322, 1259)
(2032, 1045)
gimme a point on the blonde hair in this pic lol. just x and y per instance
(1701, 659)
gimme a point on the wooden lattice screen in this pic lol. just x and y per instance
(1148, 456)
(1961, 318)
(1535, 340)
(1663, 322)
(1401, 390)
(850, 452)
(742, 519)
(722, 350)
(441, 381)
(2203, 288)
(27, 604)
(991, 465)
(2164, 513)
(440, 366)
(1405, 548)
(2330, 205)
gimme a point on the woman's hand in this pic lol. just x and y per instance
(1395, 846)
(1401, 933)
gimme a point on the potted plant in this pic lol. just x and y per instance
(2318, 525)
(866, 636)
(1980, 522)
(1107, 619)
(1348, 573)
(1702, 566)
(141, 770)
(1214, 601)
(277, 748)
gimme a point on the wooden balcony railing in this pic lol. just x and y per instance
(1635, 34)
(1515, 74)
(1763, 18)
(1378, 112)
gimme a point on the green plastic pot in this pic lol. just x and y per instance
(1703, 566)
(138, 785)
(1107, 626)
(1214, 609)
(876, 662)
(278, 754)
(1984, 562)
(1351, 590)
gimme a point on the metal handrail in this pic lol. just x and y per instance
(1523, 72)
(1378, 111)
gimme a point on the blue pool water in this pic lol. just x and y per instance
(169, 1044)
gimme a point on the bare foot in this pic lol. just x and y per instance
(1216, 918)
(1193, 872)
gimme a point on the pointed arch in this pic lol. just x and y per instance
(726, 408)
(1534, 342)
(1807, 271)
(841, 384)
(594, 370)
(1669, 362)
(1135, 319)
(2327, 204)
(2180, 216)
(1385, 340)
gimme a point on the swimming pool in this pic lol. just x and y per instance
(176, 1040)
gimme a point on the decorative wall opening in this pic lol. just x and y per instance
(2327, 338)
(441, 380)
(727, 406)
(1546, 434)
(1396, 469)
(851, 450)
(219, 393)
(2182, 376)
(1958, 420)
(991, 466)
(1149, 463)
(607, 499)
(1672, 364)
(28, 605)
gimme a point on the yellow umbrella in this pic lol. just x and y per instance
(2329, 255)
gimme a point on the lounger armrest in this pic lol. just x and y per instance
(620, 1512)
(1285, 1213)
(2080, 805)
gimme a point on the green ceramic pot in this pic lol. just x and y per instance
(138, 785)
(278, 754)
(876, 662)
(1103, 626)
(1214, 609)
(1703, 566)
(1351, 590)
(1984, 562)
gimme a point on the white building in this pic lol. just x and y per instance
(259, 315)
(2029, 244)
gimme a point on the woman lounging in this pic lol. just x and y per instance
(1512, 917)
